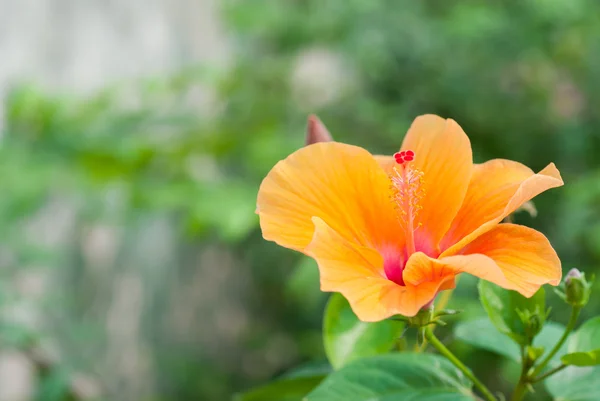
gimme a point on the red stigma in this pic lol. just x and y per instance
(404, 156)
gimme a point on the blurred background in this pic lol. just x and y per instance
(134, 135)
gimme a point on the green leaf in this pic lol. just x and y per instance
(293, 385)
(503, 308)
(290, 389)
(584, 345)
(346, 338)
(400, 376)
(589, 358)
(309, 369)
(412, 395)
(575, 384)
(580, 381)
(481, 333)
(587, 337)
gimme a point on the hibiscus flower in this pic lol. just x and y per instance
(390, 232)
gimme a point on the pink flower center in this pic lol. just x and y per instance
(393, 265)
(407, 192)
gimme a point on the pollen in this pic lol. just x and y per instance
(407, 193)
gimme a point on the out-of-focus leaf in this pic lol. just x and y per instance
(503, 307)
(589, 358)
(54, 386)
(302, 287)
(587, 337)
(580, 381)
(15, 335)
(309, 369)
(548, 338)
(401, 376)
(346, 338)
(575, 384)
(285, 389)
(229, 209)
(481, 333)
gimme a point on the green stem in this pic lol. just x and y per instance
(433, 340)
(548, 373)
(441, 304)
(570, 326)
(529, 378)
(521, 388)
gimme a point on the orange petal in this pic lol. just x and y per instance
(524, 255)
(498, 187)
(357, 273)
(387, 163)
(443, 154)
(341, 184)
(421, 268)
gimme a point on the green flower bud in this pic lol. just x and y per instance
(533, 322)
(534, 353)
(534, 325)
(576, 290)
(423, 318)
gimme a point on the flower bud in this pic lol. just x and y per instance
(577, 289)
(423, 318)
(533, 322)
(316, 131)
(534, 353)
(534, 325)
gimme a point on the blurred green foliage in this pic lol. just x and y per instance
(520, 77)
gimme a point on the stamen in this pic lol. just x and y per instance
(407, 192)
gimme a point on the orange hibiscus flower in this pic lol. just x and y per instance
(389, 233)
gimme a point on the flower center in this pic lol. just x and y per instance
(393, 266)
(407, 192)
